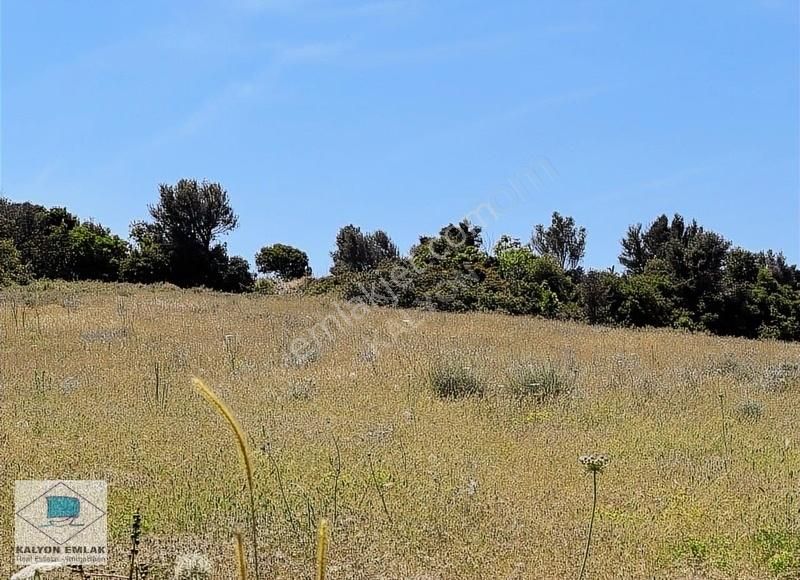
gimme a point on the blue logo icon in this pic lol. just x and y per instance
(60, 513)
(63, 510)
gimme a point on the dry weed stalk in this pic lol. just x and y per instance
(241, 560)
(241, 441)
(322, 548)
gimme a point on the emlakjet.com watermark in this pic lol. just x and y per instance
(63, 521)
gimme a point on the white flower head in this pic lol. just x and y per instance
(594, 463)
(192, 567)
(33, 570)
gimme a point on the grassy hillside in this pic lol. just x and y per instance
(702, 434)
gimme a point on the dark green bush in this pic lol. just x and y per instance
(540, 381)
(452, 381)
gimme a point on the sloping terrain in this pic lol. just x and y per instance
(340, 408)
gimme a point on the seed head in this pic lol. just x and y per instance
(594, 463)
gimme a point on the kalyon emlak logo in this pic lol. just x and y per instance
(63, 521)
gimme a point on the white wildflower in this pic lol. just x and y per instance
(33, 570)
(595, 462)
(192, 567)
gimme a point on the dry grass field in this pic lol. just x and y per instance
(703, 436)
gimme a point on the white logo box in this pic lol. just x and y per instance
(60, 521)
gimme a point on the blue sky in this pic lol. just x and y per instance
(405, 115)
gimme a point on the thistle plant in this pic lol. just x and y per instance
(594, 464)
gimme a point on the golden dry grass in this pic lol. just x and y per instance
(414, 486)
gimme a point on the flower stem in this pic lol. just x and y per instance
(591, 526)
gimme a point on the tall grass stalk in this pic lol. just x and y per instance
(724, 428)
(241, 441)
(241, 561)
(322, 548)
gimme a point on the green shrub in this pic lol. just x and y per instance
(712, 551)
(750, 410)
(779, 550)
(697, 550)
(391, 283)
(540, 381)
(12, 269)
(327, 285)
(265, 286)
(455, 381)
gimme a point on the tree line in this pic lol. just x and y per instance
(675, 273)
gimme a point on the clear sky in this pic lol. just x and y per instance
(405, 115)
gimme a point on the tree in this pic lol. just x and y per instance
(538, 282)
(359, 252)
(779, 305)
(351, 253)
(94, 253)
(646, 300)
(783, 272)
(12, 269)
(237, 276)
(741, 266)
(286, 262)
(181, 243)
(640, 247)
(381, 247)
(455, 244)
(506, 243)
(702, 263)
(739, 313)
(660, 233)
(192, 213)
(148, 261)
(53, 243)
(40, 236)
(685, 257)
(634, 256)
(758, 296)
(601, 295)
(451, 271)
(562, 240)
(229, 274)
